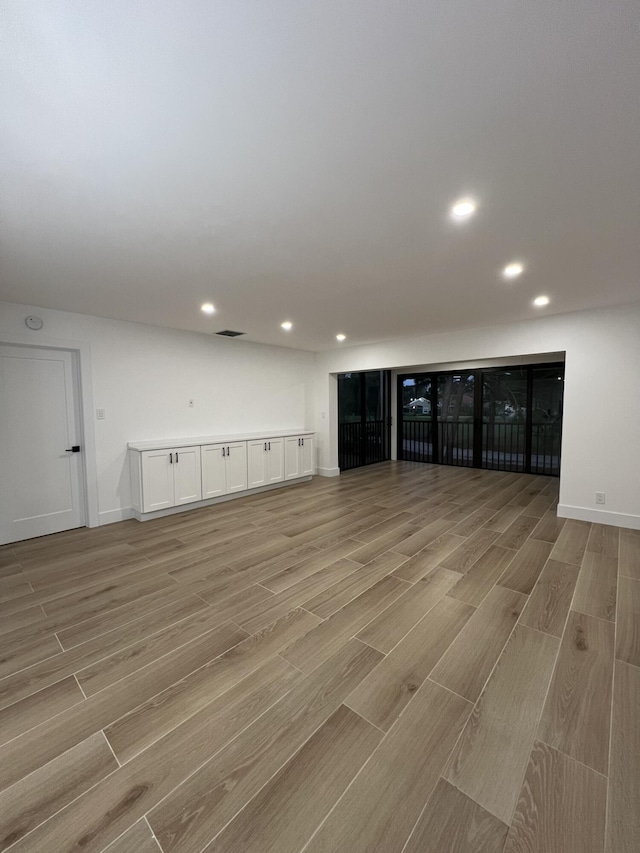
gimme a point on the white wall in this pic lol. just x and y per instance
(601, 428)
(143, 376)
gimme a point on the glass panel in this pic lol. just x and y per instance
(417, 429)
(374, 403)
(362, 419)
(520, 428)
(455, 418)
(349, 398)
(504, 419)
(349, 421)
(546, 419)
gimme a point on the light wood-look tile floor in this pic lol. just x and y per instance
(407, 658)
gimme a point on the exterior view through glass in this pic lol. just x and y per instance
(506, 419)
(363, 418)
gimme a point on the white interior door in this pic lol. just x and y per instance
(42, 481)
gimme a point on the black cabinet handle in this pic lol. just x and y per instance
(269, 445)
(223, 452)
(303, 442)
(228, 451)
(75, 448)
(298, 442)
(265, 445)
(176, 457)
(171, 459)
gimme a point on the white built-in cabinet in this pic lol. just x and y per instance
(170, 477)
(298, 456)
(224, 469)
(207, 470)
(265, 462)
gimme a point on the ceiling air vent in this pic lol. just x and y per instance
(227, 333)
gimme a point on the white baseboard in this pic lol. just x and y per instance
(175, 510)
(328, 472)
(599, 516)
(113, 515)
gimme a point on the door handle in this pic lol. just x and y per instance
(269, 445)
(171, 459)
(176, 457)
(223, 452)
(302, 442)
(265, 446)
(228, 451)
(75, 448)
(298, 442)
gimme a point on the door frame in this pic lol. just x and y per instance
(84, 389)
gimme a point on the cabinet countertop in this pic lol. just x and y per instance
(191, 441)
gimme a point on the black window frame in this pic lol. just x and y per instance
(478, 374)
(371, 440)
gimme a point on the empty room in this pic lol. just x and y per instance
(319, 426)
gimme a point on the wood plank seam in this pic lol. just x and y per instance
(79, 685)
(110, 748)
(540, 712)
(153, 835)
(613, 687)
(273, 775)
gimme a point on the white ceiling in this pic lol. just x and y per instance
(296, 160)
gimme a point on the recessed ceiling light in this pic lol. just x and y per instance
(540, 301)
(207, 308)
(287, 325)
(340, 337)
(513, 270)
(463, 209)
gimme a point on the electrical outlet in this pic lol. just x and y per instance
(600, 497)
(100, 414)
(191, 403)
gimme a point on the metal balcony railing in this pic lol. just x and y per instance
(502, 449)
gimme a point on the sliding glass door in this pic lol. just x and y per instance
(455, 412)
(416, 425)
(363, 418)
(506, 419)
(547, 388)
(436, 418)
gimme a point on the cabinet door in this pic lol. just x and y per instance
(275, 455)
(236, 465)
(187, 475)
(213, 471)
(292, 450)
(257, 456)
(157, 480)
(307, 456)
